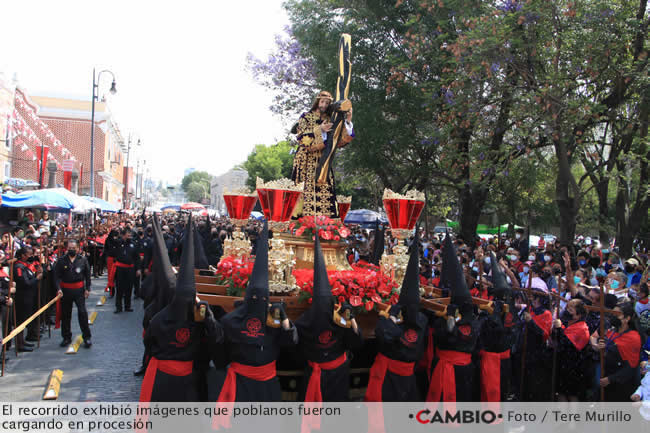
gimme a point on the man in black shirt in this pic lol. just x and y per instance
(72, 279)
(127, 269)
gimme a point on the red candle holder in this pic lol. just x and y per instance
(403, 211)
(239, 205)
(278, 199)
(343, 204)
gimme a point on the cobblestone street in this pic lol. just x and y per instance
(102, 373)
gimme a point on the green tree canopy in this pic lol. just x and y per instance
(196, 186)
(269, 162)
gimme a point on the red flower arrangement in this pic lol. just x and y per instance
(329, 229)
(362, 287)
(234, 272)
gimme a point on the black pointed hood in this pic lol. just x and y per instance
(180, 307)
(164, 281)
(453, 274)
(410, 291)
(258, 282)
(378, 249)
(247, 322)
(318, 317)
(200, 259)
(501, 289)
(409, 295)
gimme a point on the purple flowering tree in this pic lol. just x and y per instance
(289, 74)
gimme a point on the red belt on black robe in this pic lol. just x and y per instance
(443, 379)
(167, 366)
(378, 371)
(491, 374)
(313, 393)
(229, 390)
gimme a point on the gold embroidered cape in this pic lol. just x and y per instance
(317, 199)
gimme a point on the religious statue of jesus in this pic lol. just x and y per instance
(320, 131)
(314, 126)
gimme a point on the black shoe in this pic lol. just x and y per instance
(118, 310)
(140, 371)
(128, 309)
(65, 342)
(25, 349)
(26, 344)
(30, 338)
(88, 343)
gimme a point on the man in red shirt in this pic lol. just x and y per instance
(513, 255)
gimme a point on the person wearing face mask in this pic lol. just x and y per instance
(514, 260)
(549, 278)
(622, 345)
(572, 336)
(521, 243)
(539, 321)
(72, 279)
(633, 276)
(642, 303)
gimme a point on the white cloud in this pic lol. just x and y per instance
(181, 82)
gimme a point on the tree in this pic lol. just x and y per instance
(578, 62)
(197, 191)
(432, 112)
(448, 95)
(196, 186)
(269, 163)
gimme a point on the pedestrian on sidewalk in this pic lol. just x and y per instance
(72, 277)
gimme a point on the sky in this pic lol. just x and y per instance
(182, 86)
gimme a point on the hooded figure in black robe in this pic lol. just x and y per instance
(496, 339)
(452, 369)
(378, 246)
(401, 336)
(200, 259)
(173, 339)
(537, 323)
(255, 332)
(158, 288)
(326, 345)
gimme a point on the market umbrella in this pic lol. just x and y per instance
(102, 205)
(40, 198)
(192, 206)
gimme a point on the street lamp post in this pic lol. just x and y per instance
(126, 183)
(92, 125)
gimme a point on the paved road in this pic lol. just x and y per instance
(102, 373)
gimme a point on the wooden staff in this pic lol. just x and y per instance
(525, 343)
(40, 286)
(29, 320)
(602, 335)
(9, 308)
(555, 332)
(49, 322)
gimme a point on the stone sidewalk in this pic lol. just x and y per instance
(102, 373)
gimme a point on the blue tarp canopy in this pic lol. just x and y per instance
(175, 207)
(41, 198)
(102, 205)
(365, 217)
